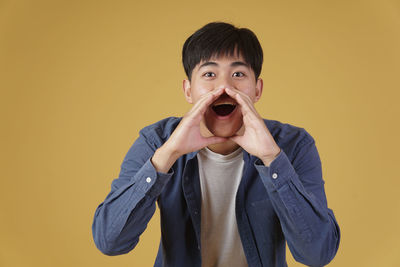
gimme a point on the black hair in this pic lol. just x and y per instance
(221, 39)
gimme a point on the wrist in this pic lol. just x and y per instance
(168, 149)
(267, 160)
(163, 159)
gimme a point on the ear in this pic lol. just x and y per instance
(259, 89)
(187, 90)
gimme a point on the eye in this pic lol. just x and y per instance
(238, 74)
(209, 74)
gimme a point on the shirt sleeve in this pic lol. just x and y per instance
(296, 190)
(123, 216)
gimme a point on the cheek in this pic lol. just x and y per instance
(249, 90)
(199, 91)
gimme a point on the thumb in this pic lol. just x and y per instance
(238, 139)
(214, 140)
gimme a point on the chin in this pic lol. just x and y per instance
(224, 130)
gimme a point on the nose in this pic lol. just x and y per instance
(224, 82)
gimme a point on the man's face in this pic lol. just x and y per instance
(223, 117)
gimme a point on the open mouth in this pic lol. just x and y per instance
(224, 109)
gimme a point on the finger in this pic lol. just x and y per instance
(243, 104)
(195, 114)
(238, 139)
(204, 99)
(244, 96)
(214, 95)
(243, 100)
(202, 105)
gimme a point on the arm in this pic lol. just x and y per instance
(127, 209)
(296, 191)
(124, 214)
(298, 197)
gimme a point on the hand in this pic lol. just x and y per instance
(256, 138)
(186, 137)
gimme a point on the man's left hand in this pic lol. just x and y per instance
(255, 138)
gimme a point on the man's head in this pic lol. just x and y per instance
(218, 39)
(220, 55)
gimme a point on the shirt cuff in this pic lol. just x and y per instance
(151, 182)
(279, 172)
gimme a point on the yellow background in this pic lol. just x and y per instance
(79, 79)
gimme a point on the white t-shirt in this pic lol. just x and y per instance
(220, 176)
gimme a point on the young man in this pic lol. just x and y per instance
(231, 187)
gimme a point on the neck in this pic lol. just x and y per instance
(224, 148)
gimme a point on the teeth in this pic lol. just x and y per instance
(224, 103)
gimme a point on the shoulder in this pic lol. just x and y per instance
(159, 132)
(287, 135)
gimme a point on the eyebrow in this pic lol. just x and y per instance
(233, 64)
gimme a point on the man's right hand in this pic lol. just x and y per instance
(187, 136)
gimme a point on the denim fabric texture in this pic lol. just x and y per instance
(284, 202)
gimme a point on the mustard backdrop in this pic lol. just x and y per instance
(79, 79)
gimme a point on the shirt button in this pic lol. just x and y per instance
(274, 175)
(148, 179)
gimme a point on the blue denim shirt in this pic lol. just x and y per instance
(283, 202)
